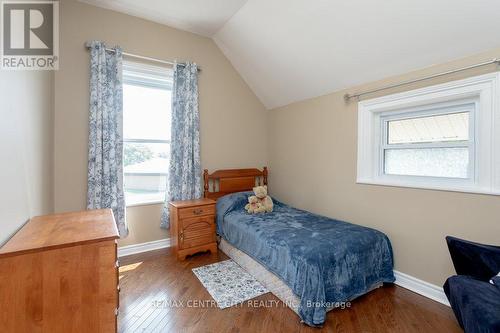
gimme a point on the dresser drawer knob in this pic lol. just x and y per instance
(197, 211)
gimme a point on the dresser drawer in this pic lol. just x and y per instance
(196, 211)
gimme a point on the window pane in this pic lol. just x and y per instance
(437, 128)
(433, 162)
(146, 112)
(145, 171)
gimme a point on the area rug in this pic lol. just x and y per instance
(228, 283)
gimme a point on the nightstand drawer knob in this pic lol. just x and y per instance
(198, 211)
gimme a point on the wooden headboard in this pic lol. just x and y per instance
(222, 182)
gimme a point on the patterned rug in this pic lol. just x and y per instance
(228, 283)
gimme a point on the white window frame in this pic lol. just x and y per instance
(481, 93)
(144, 75)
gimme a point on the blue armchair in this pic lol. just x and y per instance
(475, 301)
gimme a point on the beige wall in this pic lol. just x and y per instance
(311, 145)
(233, 132)
(26, 110)
(144, 225)
(312, 150)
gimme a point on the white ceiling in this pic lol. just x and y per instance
(203, 17)
(290, 50)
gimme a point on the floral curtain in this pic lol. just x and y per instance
(184, 181)
(105, 160)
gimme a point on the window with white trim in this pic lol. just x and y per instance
(443, 137)
(146, 130)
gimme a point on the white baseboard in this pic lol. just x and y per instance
(421, 287)
(406, 281)
(143, 247)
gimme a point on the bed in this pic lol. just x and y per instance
(311, 262)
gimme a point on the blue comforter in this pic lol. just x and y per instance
(324, 261)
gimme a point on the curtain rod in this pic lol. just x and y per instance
(347, 97)
(131, 55)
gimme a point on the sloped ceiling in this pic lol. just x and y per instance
(290, 50)
(202, 17)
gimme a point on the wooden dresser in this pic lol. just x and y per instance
(192, 226)
(59, 273)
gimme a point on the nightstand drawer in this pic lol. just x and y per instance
(196, 211)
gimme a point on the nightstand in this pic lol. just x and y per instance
(192, 227)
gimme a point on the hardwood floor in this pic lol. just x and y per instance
(159, 294)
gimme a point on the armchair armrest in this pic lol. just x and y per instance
(476, 260)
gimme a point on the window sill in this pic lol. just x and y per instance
(431, 187)
(149, 203)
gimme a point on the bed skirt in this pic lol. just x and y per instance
(268, 279)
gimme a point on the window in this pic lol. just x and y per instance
(431, 143)
(440, 137)
(146, 126)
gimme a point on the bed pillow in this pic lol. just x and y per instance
(232, 201)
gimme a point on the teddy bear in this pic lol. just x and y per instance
(260, 202)
(253, 205)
